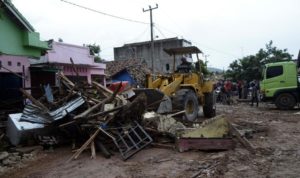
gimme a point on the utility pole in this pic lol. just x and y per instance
(151, 33)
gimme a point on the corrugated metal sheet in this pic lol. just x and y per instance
(33, 113)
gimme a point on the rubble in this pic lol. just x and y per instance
(77, 111)
(93, 118)
(10, 160)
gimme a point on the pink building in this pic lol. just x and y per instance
(18, 65)
(58, 58)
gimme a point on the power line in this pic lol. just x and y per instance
(103, 13)
(159, 31)
(174, 22)
(167, 29)
(139, 36)
(216, 50)
(127, 41)
(202, 45)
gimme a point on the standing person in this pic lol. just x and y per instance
(240, 85)
(245, 90)
(185, 66)
(254, 93)
(228, 88)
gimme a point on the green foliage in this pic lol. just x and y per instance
(250, 67)
(203, 67)
(95, 51)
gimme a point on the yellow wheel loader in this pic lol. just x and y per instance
(183, 88)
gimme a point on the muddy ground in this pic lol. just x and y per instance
(275, 136)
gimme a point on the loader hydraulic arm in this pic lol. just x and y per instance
(153, 84)
(170, 88)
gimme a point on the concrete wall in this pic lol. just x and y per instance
(83, 71)
(142, 51)
(14, 39)
(61, 53)
(16, 64)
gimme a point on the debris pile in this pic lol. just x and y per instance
(93, 117)
(8, 160)
(81, 112)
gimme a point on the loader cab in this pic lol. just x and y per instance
(185, 66)
(186, 54)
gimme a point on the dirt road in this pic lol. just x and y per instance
(275, 136)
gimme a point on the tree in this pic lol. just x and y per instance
(203, 67)
(95, 51)
(250, 67)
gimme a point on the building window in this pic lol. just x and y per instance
(9, 63)
(167, 67)
(19, 64)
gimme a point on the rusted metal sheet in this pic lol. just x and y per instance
(185, 144)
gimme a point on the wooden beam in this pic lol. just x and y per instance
(96, 106)
(84, 146)
(33, 100)
(241, 139)
(93, 150)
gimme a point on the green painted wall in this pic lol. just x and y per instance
(15, 40)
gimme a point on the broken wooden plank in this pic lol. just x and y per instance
(175, 114)
(96, 106)
(84, 146)
(105, 112)
(93, 150)
(241, 139)
(64, 78)
(109, 92)
(33, 100)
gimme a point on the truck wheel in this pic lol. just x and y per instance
(285, 101)
(209, 107)
(186, 99)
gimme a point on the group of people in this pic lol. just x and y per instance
(225, 89)
(243, 89)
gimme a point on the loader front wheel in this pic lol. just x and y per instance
(186, 99)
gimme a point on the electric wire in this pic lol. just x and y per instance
(134, 39)
(103, 13)
(202, 45)
(155, 26)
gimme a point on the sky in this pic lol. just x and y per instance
(225, 30)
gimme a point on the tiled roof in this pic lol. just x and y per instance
(136, 68)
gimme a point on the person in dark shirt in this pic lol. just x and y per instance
(254, 93)
(185, 66)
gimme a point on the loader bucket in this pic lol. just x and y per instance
(156, 100)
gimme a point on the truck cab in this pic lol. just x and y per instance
(280, 84)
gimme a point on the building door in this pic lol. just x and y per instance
(10, 96)
(39, 79)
